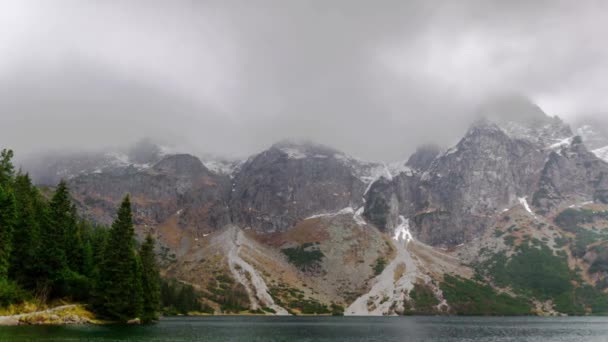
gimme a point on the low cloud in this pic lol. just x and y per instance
(374, 79)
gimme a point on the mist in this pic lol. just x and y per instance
(372, 78)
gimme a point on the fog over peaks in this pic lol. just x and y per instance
(374, 79)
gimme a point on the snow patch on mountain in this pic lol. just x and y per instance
(402, 231)
(293, 153)
(387, 293)
(222, 166)
(119, 160)
(372, 172)
(245, 273)
(524, 202)
(451, 150)
(602, 153)
(396, 168)
(550, 133)
(563, 142)
(356, 214)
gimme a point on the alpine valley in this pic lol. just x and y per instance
(511, 220)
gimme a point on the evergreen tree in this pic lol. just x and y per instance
(7, 169)
(137, 294)
(150, 281)
(119, 284)
(97, 237)
(54, 263)
(73, 245)
(26, 232)
(7, 219)
(88, 265)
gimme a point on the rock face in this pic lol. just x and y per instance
(176, 184)
(269, 192)
(572, 174)
(461, 189)
(595, 139)
(423, 157)
(289, 182)
(454, 197)
(486, 172)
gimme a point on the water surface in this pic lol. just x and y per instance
(329, 329)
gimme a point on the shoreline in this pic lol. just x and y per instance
(77, 314)
(69, 314)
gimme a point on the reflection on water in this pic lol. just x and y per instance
(329, 329)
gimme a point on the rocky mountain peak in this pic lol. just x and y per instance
(522, 119)
(595, 136)
(423, 157)
(571, 175)
(181, 165)
(291, 181)
(145, 151)
(52, 166)
(484, 126)
(513, 108)
(303, 149)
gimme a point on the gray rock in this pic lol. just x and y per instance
(423, 157)
(572, 174)
(289, 182)
(177, 183)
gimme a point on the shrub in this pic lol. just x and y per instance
(304, 257)
(534, 271)
(11, 293)
(379, 265)
(424, 299)
(467, 297)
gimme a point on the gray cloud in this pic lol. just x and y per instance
(373, 78)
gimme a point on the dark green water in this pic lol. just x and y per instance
(329, 329)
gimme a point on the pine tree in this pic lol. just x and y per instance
(88, 265)
(7, 220)
(53, 264)
(98, 236)
(26, 232)
(73, 245)
(150, 281)
(137, 292)
(119, 284)
(7, 169)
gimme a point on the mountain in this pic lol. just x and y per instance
(457, 195)
(595, 139)
(572, 174)
(289, 182)
(176, 188)
(510, 220)
(50, 167)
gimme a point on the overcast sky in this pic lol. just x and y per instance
(373, 78)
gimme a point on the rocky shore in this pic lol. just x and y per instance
(60, 315)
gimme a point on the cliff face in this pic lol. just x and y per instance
(454, 196)
(572, 174)
(463, 188)
(176, 184)
(287, 183)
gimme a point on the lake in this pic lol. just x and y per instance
(329, 329)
